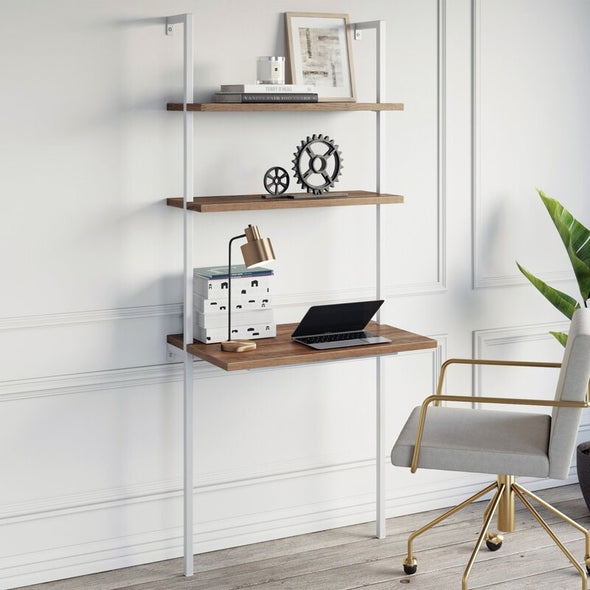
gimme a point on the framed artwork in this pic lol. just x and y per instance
(320, 54)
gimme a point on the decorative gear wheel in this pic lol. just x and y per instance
(317, 169)
(276, 180)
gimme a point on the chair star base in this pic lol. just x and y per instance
(503, 500)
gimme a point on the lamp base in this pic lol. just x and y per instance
(238, 345)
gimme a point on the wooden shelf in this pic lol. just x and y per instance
(282, 351)
(212, 107)
(252, 202)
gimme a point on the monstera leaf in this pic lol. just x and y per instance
(576, 239)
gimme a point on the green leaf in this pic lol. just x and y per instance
(561, 337)
(562, 301)
(582, 273)
(576, 239)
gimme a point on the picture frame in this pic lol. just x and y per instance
(319, 52)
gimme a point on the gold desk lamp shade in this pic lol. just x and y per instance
(256, 251)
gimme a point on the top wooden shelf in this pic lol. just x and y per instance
(256, 202)
(212, 107)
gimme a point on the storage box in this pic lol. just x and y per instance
(253, 332)
(239, 318)
(238, 303)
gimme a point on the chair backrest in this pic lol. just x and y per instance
(572, 386)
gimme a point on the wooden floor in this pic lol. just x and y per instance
(350, 558)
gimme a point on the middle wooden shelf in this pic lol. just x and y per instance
(253, 202)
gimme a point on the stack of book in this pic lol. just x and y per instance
(250, 93)
(251, 314)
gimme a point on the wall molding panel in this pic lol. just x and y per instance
(481, 278)
(439, 284)
(207, 482)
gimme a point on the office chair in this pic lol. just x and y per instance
(502, 442)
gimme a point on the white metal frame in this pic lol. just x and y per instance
(188, 190)
(379, 27)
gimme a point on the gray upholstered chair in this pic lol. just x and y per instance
(504, 443)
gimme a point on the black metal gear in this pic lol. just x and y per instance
(317, 171)
(276, 180)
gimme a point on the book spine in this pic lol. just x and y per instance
(237, 270)
(268, 88)
(277, 97)
(234, 275)
(250, 97)
(295, 97)
(241, 287)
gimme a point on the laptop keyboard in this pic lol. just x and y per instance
(332, 337)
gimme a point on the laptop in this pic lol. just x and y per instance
(338, 325)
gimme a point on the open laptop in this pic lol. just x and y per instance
(338, 325)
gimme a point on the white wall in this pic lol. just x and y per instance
(90, 420)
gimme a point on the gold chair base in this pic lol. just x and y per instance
(503, 500)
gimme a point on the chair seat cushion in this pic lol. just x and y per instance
(477, 441)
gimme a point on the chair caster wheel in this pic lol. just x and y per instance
(494, 541)
(410, 567)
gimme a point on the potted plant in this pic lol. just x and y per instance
(576, 239)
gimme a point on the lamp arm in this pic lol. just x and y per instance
(229, 283)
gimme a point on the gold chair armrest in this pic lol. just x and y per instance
(483, 400)
(443, 368)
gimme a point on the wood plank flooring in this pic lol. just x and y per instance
(350, 558)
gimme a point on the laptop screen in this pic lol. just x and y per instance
(339, 317)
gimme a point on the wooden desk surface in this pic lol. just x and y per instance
(279, 351)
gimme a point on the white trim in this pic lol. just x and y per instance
(510, 335)
(115, 379)
(493, 281)
(159, 490)
(90, 316)
(174, 310)
(100, 381)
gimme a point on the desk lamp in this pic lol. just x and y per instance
(255, 251)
